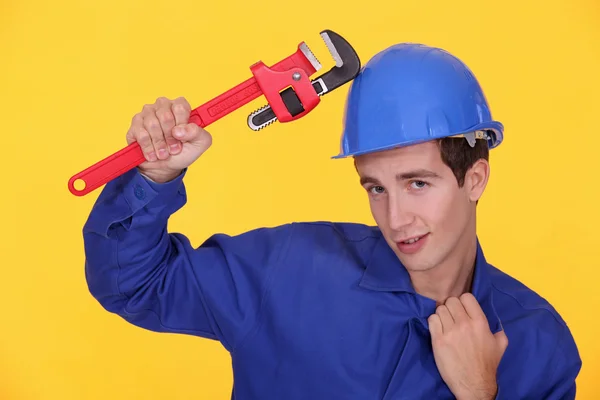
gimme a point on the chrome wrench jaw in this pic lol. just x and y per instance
(347, 66)
(310, 56)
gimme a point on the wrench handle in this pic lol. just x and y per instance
(131, 156)
(107, 169)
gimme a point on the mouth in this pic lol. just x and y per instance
(412, 239)
(411, 245)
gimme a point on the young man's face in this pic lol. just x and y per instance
(414, 196)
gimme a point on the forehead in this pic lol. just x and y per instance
(422, 155)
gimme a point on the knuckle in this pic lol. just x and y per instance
(166, 116)
(180, 108)
(145, 142)
(151, 123)
(466, 297)
(137, 118)
(451, 301)
(147, 108)
(192, 129)
(182, 102)
(142, 137)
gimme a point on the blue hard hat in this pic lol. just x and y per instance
(413, 93)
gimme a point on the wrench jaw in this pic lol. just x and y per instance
(310, 56)
(347, 66)
(329, 37)
(347, 63)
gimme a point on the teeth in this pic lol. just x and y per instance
(410, 241)
(310, 56)
(263, 125)
(334, 53)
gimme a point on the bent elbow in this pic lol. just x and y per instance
(100, 284)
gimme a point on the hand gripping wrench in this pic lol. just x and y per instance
(286, 86)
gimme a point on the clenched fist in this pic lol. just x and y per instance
(466, 352)
(169, 143)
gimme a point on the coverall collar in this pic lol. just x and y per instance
(384, 272)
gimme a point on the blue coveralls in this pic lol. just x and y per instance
(308, 311)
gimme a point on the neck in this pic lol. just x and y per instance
(452, 277)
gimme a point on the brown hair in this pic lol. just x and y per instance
(459, 156)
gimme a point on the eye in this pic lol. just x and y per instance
(376, 189)
(418, 185)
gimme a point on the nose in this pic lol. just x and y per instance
(399, 214)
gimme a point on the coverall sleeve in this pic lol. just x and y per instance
(561, 369)
(156, 280)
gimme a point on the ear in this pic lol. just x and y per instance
(476, 179)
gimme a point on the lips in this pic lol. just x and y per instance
(412, 239)
(413, 244)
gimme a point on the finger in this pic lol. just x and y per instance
(456, 309)
(188, 133)
(181, 110)
(435, 325)
(138, 134)
(136, 123)
(472, 306)
(445, 318)
(502, 340)
(152, 126)
(143, 138)
(166, 119)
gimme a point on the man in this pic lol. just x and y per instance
(407, 309)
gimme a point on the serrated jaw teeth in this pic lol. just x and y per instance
(255, 127)
(334, 53)
(310, 56)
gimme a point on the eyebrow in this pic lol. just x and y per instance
(414, 174)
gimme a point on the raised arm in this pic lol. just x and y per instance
(155, 279)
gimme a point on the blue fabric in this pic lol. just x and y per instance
(315, 310)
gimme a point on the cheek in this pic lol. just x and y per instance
(451, 214)
(438, 209)
(378, 209)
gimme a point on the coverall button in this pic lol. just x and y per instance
(139, 192)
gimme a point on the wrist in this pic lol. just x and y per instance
(161, 176)
(487, 393)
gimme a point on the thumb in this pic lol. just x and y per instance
(501, 340)
(191, 133)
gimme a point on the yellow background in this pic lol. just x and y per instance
(73, 73)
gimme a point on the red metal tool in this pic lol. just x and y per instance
(293, 71)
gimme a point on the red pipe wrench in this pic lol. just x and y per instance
(286, 85)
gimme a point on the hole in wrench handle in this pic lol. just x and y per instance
(132, 155)
(105, 170)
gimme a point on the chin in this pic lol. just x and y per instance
(418, 256)
(417, 262)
